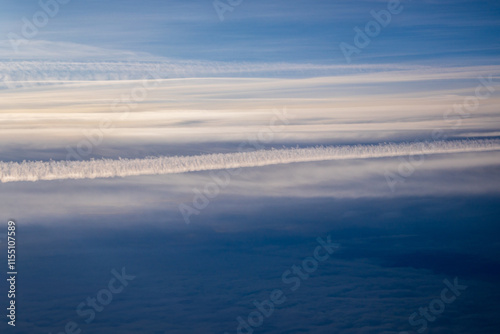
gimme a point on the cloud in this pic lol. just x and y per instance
(105, 168)
(70, 62)
(21, 73)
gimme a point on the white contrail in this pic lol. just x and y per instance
(59, 170)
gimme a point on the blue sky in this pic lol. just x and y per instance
(292, 31)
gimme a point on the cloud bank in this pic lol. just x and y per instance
(106, 168)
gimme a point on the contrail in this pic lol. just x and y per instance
(105, 168)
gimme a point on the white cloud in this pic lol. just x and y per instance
(58, 170)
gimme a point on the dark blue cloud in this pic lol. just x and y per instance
(195, 278)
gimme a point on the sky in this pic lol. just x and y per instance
(281, 31)
(208, 148)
